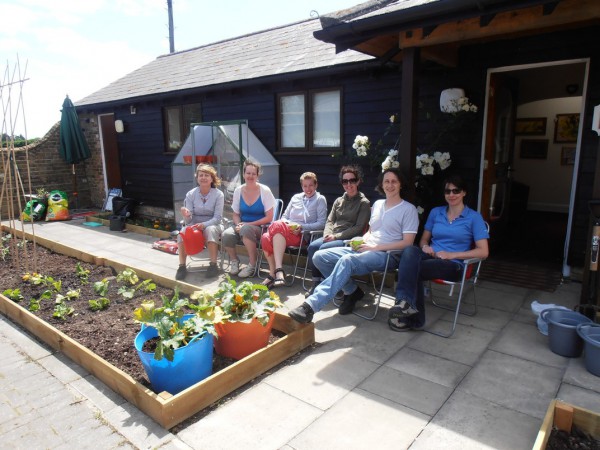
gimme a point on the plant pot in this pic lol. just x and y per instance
(187, 159)
(190, 364)
(239, 339)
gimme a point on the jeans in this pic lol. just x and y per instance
(415, 267)
(338, 265)
(319, 244)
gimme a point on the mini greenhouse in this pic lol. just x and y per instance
(225, 146)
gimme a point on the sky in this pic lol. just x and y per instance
(53, 48)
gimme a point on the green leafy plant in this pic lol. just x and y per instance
(246, 301)
(132, 284)
(62, 311)
(101, 287)
(13, 294)
(38, 279)
(99, 304)
(34, 304)
(128, 276)
(173, 331)
(82, 273)
(4, 248)
(73, 294)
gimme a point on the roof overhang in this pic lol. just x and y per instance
(440, 27)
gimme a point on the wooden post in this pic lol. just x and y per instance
(409, 114)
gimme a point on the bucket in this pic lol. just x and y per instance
(117, 223)
(590, 333)
(239, 339)
(190, 364)
(562, 331)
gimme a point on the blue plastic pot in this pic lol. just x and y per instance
(590, 333)
(562, 331)
(190, 364)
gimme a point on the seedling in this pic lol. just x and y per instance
(99, 304)
(62, 311)
(82, 273)
(145, 286)
(128, 276)
(13, 294)
(73, 294)
(101, 287)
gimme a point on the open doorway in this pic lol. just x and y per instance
(529, 160)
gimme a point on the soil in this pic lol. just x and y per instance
(109, 333)
(577, 439)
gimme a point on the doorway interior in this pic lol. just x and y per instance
(529, 161)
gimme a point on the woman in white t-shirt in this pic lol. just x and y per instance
(393, 226)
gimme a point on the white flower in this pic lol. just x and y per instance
(386, 164)
(466, 108)
(395, 164)
(473, 108)
(393, 152)
(419, 163)
(392, 118)
(420, 210)
(361, 145)
(462, 100)
(444, 164)
(427, 170)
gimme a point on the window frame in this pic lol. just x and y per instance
(183, 111)
(309, 114)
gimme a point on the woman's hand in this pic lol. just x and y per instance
(329, 238)
(428, 250)
(186, 213)
(445, 255)
(238, 227)
(366, 248)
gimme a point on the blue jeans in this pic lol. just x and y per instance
(415, 267)
(338, 265)
(319, 244)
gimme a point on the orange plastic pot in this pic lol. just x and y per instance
(238, 339)
(187, 159)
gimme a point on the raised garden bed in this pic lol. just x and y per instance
(166, 409)
(564, 417)
(162, 234)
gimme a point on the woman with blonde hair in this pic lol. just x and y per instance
(306, 211)
(203, 209)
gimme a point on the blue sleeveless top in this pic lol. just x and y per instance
(251, 213)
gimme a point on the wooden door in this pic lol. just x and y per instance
(112, 159)
(499, 147)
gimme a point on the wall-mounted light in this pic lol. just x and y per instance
(132, 109)
(449, 99)
(119, 126)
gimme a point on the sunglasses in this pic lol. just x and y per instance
(345, 181)
(454, 191)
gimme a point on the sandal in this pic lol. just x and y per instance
(271, 281)
(278, 282)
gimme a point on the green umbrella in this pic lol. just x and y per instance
(73, 146)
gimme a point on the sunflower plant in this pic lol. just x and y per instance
(246, 301)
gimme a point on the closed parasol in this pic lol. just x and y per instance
(73, 146)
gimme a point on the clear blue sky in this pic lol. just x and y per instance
(76, 47)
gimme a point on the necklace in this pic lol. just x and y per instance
(451, 217)
(204, 197)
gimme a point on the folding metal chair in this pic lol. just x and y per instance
(277, 213)
(305, 241)
(469, 276)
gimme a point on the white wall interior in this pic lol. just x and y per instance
(549, 181)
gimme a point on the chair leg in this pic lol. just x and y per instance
(457, 311)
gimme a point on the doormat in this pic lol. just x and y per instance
(522, 275)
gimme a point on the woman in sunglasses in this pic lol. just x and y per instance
(452, 233)
(348, 218)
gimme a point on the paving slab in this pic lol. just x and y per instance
(362, 420)
(512, 382)
(578, 396)
(468, 422)
(578, 375)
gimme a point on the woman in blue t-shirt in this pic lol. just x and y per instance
(452, 233)
(253, 204)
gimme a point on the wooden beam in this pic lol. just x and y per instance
(567, 13)
(446, 55)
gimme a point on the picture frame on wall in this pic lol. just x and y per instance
(533, 126)
(566, 127)
(567, 156)
(534, 149)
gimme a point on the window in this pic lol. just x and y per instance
(310, 120)
(177, 124)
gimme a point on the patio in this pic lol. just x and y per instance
(486, 387)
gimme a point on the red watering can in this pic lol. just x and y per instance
(193, 240)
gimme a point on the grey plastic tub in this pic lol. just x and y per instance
(590, 333)
(562, 331)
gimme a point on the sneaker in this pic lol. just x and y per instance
(234, 267)
(339, 295)
(181, 273)
(347, 305)
(402, 309)
(401, 324)
(303, 313)
(212, 271)
(247, 271)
